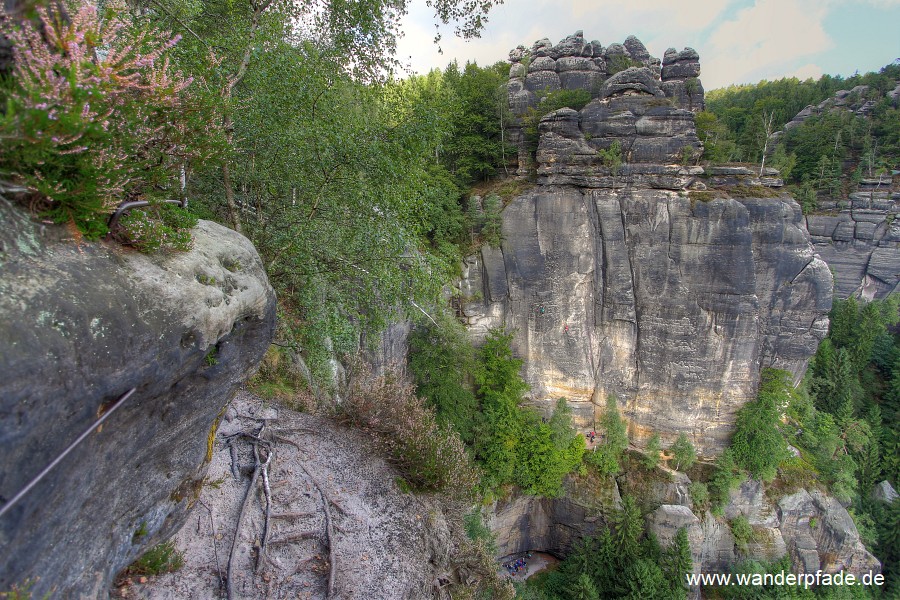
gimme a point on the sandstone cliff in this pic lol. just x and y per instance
(661, 282)
(82, 324)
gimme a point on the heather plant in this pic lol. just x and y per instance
(94, 115)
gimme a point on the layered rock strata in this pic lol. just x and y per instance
(576, 64)
(81, 325)
(630, 271)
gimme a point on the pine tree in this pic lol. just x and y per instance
(629, 527)
(677, 562)
(583, 589)
(651, 454)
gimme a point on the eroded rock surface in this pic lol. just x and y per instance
(861, 242)
(81, 325)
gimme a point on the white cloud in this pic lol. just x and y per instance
(658, 23)
(764, 41)
(806, 71)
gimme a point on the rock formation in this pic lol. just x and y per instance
(858, 239)
(575, 64)
(861, 242)
(635, 279)
(81, 325)
(811, 527)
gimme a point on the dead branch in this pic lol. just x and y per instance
(212, 526)
(329, 531)
(265, 473)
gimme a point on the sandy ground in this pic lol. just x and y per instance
(384, 543)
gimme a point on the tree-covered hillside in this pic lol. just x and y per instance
(854, 137)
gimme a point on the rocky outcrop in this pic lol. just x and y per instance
(857, 237)
(861, 242)
(619, 69)
(631, 271)
(81, 325)
(669, 303)
(813, 528)
(520, 522)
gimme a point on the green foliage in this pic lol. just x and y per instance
(620, 62)
(440, 360)
(726, 477)
(514, 445)
(651, 454)
(160, 559)
(742, 532)
(622, 563)
(757, 444)
(611, 157)
(835, 135)
(699, 493)
(94, 115)
(683, 453)
(479, 532)
(717, 144)
(606, 455)
(477, 113)
(160, 227)
(492, 221)
(677, 562)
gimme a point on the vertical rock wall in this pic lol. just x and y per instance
(649, 279)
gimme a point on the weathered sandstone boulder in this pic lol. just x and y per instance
(80, 325)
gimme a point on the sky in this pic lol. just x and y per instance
(739, 41)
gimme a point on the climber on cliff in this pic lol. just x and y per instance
(566, 328)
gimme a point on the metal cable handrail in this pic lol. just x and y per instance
(59, 458)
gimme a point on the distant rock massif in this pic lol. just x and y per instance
(859, 239)
(83, 324)
(664, 283)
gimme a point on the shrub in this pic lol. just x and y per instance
(651, 454)
(94, 115)
(163, 226)
(699, 494)
(611, 157)
(742, 532)
(430, 455)
(160, 559)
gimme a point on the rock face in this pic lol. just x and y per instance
(575, 64)
(81, 325)
(861, 242)
(619, 274)
(813, 528)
